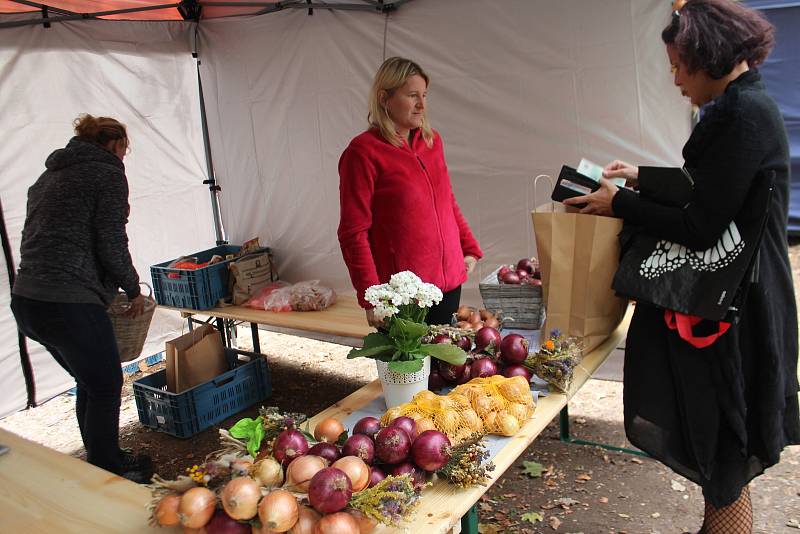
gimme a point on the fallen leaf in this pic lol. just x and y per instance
(655, 515)
(580, 421)
(566, 502)
(624, 516)
(583, 477)
(677, 486)
(606, 459)
(548, 506)
(603, 500)
(532, 469)
(554, 522)
(636, 460)
(532, 517)
(484, 507)
(486, 528)
(794, 523)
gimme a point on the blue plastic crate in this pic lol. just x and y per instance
(198, 289)
(187, 413)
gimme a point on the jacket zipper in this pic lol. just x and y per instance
(436, 212)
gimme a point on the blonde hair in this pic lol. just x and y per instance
(100, 130)
(392, 75)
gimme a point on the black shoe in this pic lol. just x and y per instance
(138, 476)
(134, 462)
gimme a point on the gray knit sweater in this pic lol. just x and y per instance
(74, 246)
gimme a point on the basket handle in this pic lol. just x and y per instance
(536, 204)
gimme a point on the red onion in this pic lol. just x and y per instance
(483, 367)
(464, 343)
(465, 374)
(441, 338)
(431, 450)
(523, 275)
(517, 370)
(330, 490)
(376, 474)
(369, 426)
(289, 445)
(435, 380)
(527, 265)
(510, 277)
(328, 451)
(361, 446)
(514, 348)
(408, 468)
(407, 424)
(502, 271)
(222, 523)
(537, 274)
(535, 281)
(450, 372)
(487, 338)
(392, 445)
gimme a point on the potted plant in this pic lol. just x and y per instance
(403, 360)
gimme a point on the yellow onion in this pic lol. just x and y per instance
(241, 467)
(240, 498)
(355, 469)
(365, 524)
(278, 511)
(166, 513)
(425, 424)
(328, 430)
(306, 521)
(507, 423)
(196, 507)
(337, 523)
(301, 470)
(268, 472)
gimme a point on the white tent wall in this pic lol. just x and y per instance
(519, 87)
(141, 73)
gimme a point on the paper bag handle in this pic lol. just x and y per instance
(536, 203)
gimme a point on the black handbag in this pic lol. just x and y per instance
(708, 284)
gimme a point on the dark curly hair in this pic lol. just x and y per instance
(716, 35)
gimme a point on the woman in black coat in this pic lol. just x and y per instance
(718, 415)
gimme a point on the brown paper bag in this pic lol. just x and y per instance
(194, 358)
(578, 256)
(250, 274)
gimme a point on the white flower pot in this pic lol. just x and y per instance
(399, 388)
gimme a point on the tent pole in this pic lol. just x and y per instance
(24, 357)
(213, 188)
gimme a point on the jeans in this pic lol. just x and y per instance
(81, 339)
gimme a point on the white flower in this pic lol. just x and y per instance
(404, 288)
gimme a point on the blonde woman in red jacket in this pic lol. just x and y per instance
(398, 211)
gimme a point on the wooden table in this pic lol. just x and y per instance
(44, 491)
(345, 319)
(443, 505)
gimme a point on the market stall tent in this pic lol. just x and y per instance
(518, 88)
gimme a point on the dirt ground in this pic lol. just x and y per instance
(582, 489)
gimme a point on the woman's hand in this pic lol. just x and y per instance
(469, 264)
(599, 202)
(136, 307)
(372, 320)
(620, 169)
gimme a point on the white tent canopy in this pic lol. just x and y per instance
(519, 87)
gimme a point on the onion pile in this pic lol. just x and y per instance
(469, 318)
(526, 271)
(493, 354)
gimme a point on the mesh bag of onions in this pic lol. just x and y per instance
(492, 405)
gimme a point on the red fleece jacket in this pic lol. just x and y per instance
(398, 213)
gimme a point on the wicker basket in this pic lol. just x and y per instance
(131, 332)
(521, 305)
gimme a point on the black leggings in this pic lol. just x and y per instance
(442, 313)
(81, 339)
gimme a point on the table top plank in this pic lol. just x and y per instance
(44, 491)
(345, 318)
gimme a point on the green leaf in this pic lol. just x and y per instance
(372, 352)
(403, 330)
(254, 443)
(244, 428)
(445, 352)
(410, 366)
(532, 517)
(532, 469)
(376, 339)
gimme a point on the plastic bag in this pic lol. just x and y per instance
(258, 301)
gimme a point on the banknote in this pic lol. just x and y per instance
(595, 172)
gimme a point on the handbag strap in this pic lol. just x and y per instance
(684, 323)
